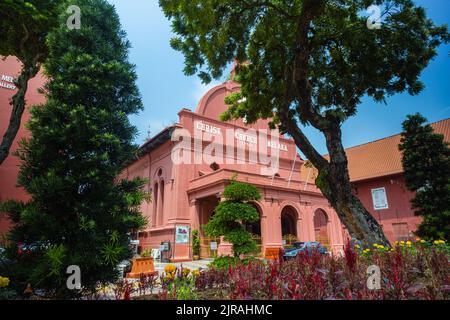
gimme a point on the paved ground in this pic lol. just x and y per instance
(193, 265)
(108, 292)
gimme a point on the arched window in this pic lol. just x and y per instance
(155, 204)
(161, 203)
(289, 219)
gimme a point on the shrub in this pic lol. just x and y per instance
(195, 243)
(415, 270)
(231, 216)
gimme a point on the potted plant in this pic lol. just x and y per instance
(195, 245)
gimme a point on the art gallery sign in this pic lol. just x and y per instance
(7, 82)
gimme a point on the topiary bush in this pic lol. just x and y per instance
(232, 215)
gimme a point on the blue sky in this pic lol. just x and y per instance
(165, 89)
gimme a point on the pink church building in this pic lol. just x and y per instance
(184, 194)
(189, 164)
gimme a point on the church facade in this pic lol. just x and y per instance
(190, 163)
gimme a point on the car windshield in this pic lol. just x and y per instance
(298, 244)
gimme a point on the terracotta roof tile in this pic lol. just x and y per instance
(381, 157)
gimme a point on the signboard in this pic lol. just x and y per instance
(213, 245)
(379, 199)
(181, 234)
(7, 82)
(134, 242)
(208, 128)
(240, 136)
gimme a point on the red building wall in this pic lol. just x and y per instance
(398, 221)
(10, 67)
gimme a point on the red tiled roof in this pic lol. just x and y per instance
(382, 157)
(378, 158)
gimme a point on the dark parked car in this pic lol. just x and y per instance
(302, 247)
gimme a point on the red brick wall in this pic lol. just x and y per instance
(10, 167)
(399, 218)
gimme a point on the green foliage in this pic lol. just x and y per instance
(223, 263)
(183, 288)
(25, 25)
(231, 216)
(146, 254)
(308, 62)
(241, 192)
(195, 243)
(80, 212)
(346, 60)
(426, 162)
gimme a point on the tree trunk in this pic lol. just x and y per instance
(334, 182)
(18, 103)
(333, 179)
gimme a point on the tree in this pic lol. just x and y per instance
(426, 162)
(79, 213)
(231, 216)
(24, 25)
(309, 62)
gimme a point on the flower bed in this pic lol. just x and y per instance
(410, 270)
(417, 270)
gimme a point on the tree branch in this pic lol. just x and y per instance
(291, 126)
(267, 4)
(302, 53)
(18, 103)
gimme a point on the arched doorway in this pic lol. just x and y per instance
(255, 228)
(206, 207)
(321, 228)
(289, 219)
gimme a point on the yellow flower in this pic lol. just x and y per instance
(185, 272)
(195, 273)
(169, 276)
(422, 241)
(170, 268)
(4, 282)
(380, 247)
(408, 243)
(357, 246)
(375, 245)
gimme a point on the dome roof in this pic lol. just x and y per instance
(212, 105)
